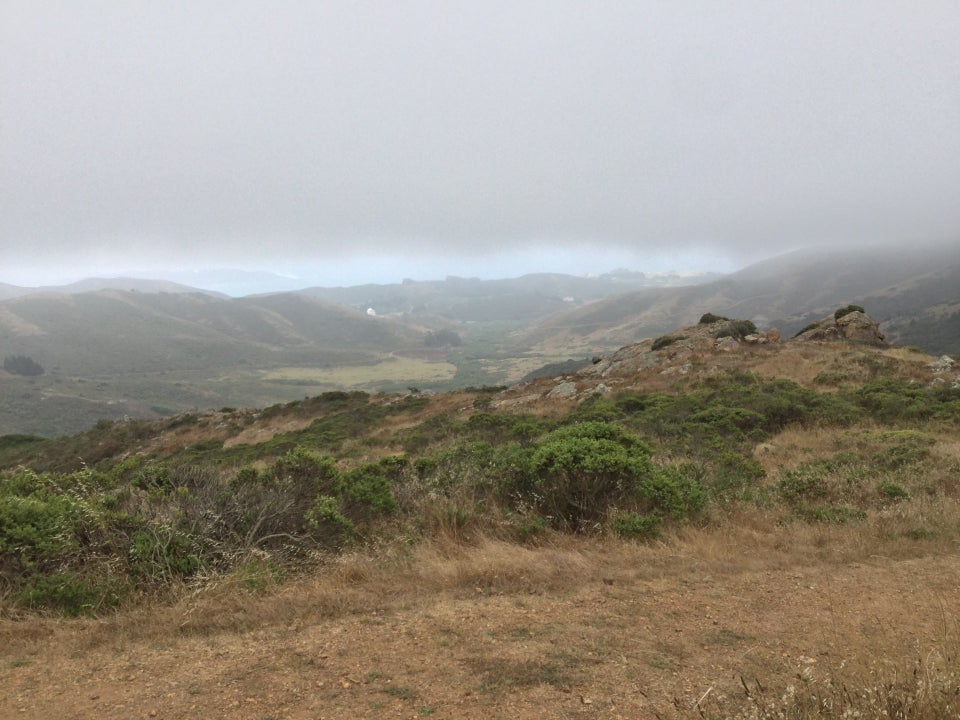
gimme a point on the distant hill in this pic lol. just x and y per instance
(911, 291)
(520, 299)
(113, 332)
(114, 353)
(158, 348)
(95, 284)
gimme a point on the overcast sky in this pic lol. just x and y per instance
(352, 141)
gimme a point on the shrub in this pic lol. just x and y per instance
(710, 318)
(366, 489)
(840, 312)
(734, 472)
(161, 552)
(577, 472)
(22, 365)
(68, 594)
(665, 341)
(637, 526)
(892, 491)
(737, 329)
(676, 490)
(809, 481)
(36, 527)
(442, 338)
(326, 517)
(831, 514)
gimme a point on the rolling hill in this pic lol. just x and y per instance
(911, 291)
(145, 352)
(114, 353)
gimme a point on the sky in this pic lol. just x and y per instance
(345, 142)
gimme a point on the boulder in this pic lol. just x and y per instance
(854, 327)
(942, 364)
(859, 327)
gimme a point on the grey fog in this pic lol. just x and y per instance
(336, 143)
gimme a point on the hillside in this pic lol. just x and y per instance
(116, 353)
(86, 285)
(688, 527)
(522, 299)
(113, 353)
(911, 291)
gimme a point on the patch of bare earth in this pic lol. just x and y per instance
(575, 628)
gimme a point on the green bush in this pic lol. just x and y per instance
(68, 594)
(161, 552)
(840, 312)
(831, 514)
(530, 526)
(637, 526)
(806, 482)
(577, 472)
(737, 329)
(892, 491)
(366, 489)
(710, 318)
(733, 473)
(676, 490)
(665, 341)
(327, 519)
(22, 365)
(37, 527)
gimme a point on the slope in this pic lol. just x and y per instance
(113, 353)
(786, 292)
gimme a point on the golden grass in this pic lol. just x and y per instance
(390, 369)
(590, 613)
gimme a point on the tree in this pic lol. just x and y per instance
(442, 338)
(22, 365)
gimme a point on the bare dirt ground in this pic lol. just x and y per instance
(583, 629)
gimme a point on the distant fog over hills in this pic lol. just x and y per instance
(227, 282)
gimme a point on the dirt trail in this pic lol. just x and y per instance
(613, 648)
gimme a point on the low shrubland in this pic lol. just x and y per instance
(84, 536)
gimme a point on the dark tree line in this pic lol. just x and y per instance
(22, 365)
(441, 338)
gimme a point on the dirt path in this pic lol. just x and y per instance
(614, 648)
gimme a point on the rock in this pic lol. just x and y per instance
(859, 327)
(563, 390)
(727, 343)
(854, 327)
(942, 364)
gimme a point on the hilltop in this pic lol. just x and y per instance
(909, 290)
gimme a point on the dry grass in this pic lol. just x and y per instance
(391, 369)
(569, 626)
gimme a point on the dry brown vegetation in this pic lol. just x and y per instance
(741, 617)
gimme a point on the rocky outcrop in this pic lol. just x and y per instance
(856, 326)
(944, 363)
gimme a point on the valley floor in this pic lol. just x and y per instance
(582, 628)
